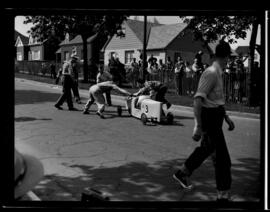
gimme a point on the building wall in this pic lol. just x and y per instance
(130, 41)
(20, 53)
(159, 54)
(79, 50)
(36, 48)
(188, 47)
(183, 45)
(120, 53)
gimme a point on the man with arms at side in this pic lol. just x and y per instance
(209, 114)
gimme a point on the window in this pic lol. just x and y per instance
(19, 56)
(128, 56)
(66, 55)
(111, 55)
(36, 55)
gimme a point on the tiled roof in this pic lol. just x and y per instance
(244, 50)
(24, 39)
(138, 28)
(78, 40)
(161, 36)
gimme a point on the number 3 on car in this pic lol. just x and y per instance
(149, 111)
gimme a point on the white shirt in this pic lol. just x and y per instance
(210, 87)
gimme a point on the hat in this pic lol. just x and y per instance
(28, 171)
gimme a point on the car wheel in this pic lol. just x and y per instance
(144, 119)
(170, 118)
(119, 110)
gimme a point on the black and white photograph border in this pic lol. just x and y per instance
(118, 161)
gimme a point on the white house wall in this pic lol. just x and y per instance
(119, 45)
(160, 55)
(120, 53)
(130, 41)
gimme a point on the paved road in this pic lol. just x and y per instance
(119, 155)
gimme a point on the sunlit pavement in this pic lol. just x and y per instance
(122, 157)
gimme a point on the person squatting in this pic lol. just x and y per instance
(151, 90)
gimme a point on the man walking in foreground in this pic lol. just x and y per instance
(209, 114)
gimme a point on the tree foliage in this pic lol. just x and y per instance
(85, 25)
(211, 28)
(56, 26)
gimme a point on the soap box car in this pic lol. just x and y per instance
(149, 111)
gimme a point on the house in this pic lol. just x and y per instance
(40, 50)
(21, 46)
(75, 45)
(163, 41)
(30, 49)
(243, 52)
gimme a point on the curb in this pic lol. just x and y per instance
(190, 109)
(122, 98)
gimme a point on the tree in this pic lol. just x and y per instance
(84, 25)
(211, 28)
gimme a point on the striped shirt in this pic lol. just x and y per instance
(210, 87)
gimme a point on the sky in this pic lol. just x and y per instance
(23, 28)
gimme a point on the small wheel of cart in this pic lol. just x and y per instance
(144, 119)
(170, 118)
(119, 110)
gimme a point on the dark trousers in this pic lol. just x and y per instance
(108, 97)
(178, 83)
(75, 90)
(213, 143)
(66, 96)
(160, 96)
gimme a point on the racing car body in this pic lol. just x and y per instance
(149, 111)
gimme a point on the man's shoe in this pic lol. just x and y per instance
(58, 107)
(183, 180)
(85, 112)
(100, 115)
(73, 109)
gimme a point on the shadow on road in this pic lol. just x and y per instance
(183, 117)
(31, 97)
(24, 118)
(139, 181)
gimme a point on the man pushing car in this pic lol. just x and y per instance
(96, 95)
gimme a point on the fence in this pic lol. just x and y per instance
(236, 89)
(40, 68)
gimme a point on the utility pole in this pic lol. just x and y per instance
(144, 47)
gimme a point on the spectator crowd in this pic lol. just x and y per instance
(182, 76)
